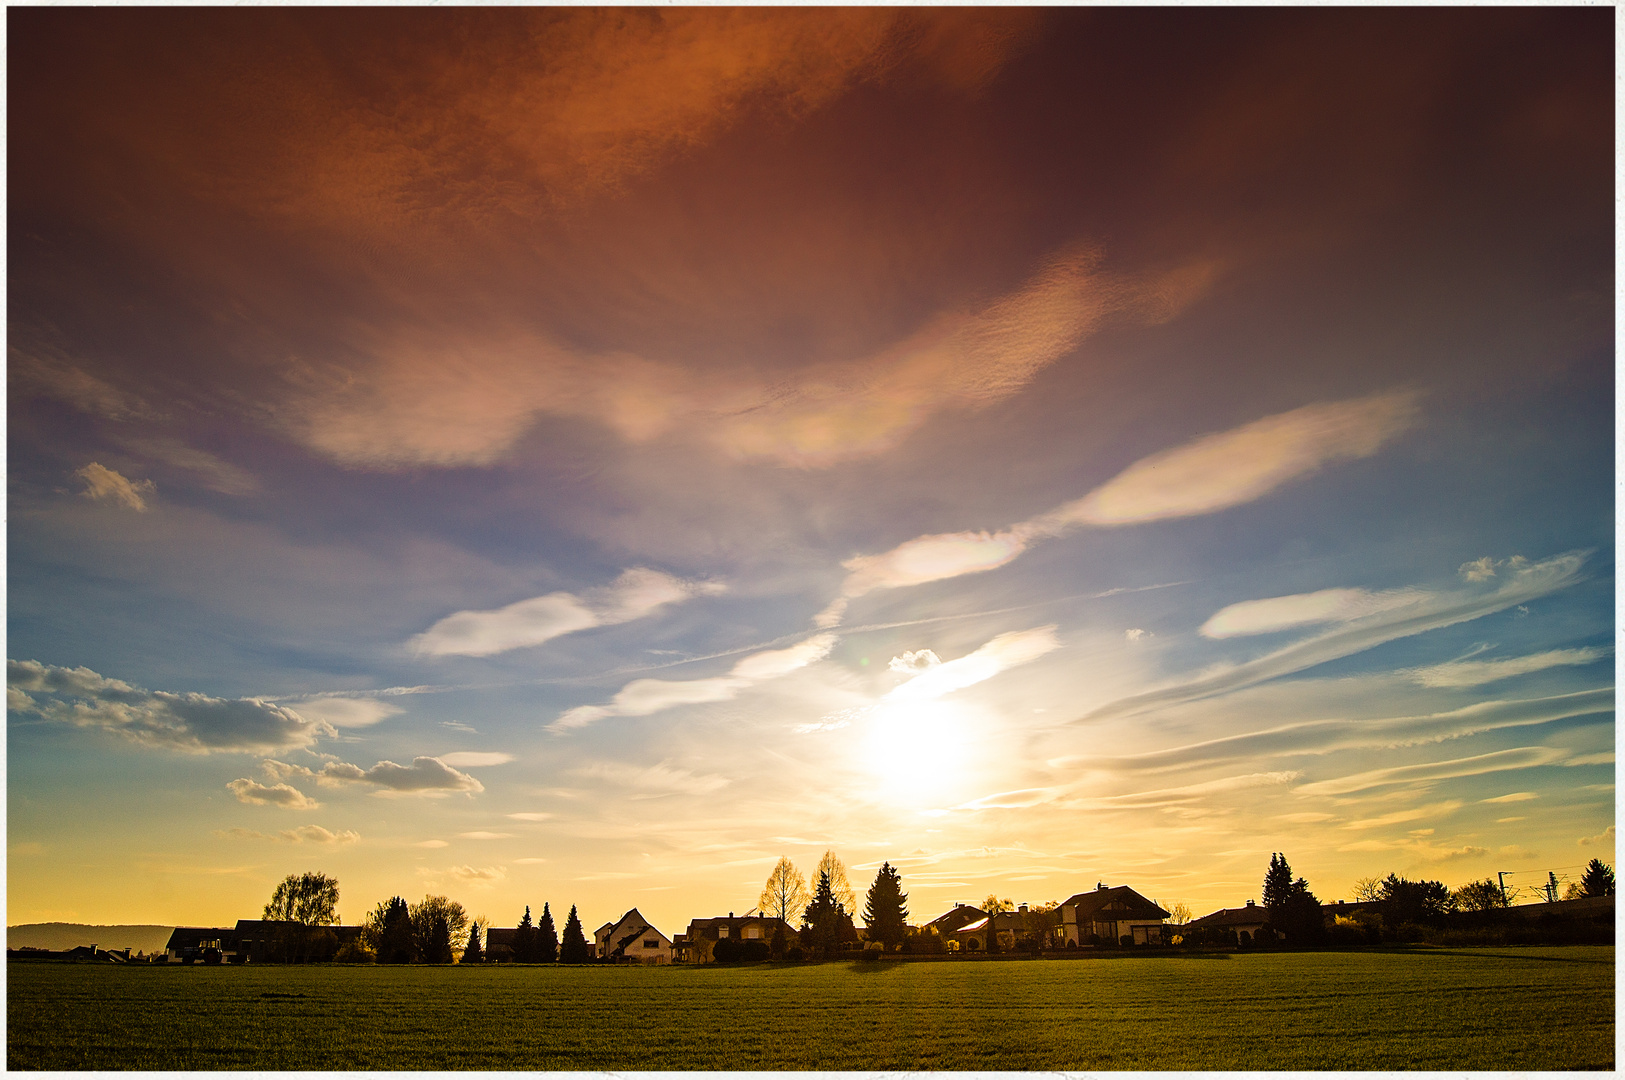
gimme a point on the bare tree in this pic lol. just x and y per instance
(838, 885)
(1368, 889)
(785, 895)
(1179, 913)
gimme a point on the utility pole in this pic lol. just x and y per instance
(1551, 887)
(1501, 876)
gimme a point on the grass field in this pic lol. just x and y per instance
(1513, 1008)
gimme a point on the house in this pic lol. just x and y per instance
(1108, 915)
(1232, 922)
(963, 925)
(258, 941)
(970, 927)
(696, 945)
(632, 938)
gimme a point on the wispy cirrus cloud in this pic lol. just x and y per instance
(190, 723)
(638, 591)
(1304, 609)
(424, 400)
(347, 712)
(107, 485)
(1479, 672)
(1212, 473)
(643, 697)
(1522, 757)
(997, 656)
(1423, 610)
(473, 759)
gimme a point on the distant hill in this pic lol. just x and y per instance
(67, 935)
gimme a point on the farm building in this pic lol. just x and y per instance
(632, 938)
(1108, 915)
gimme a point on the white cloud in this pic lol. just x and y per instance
(104, 484)
(1602, 839)
(425, 776)
(1136, 634)
(217, 475)
(474, 759)
(1303, 609)
(1516, 796)
(478, 876)
(1002, 653)
(431, 844)
(1210, 474)
(1430, 610)
(644, 697)
(1234, 467)
(282, 795)
(1431, 810)
(1522, 757)
(912, 663)
(530, 816)
(1481, 569)
(348, 712)
(482, 834)
(304, 834)
(639, 591)
(1479, 672)
(191, 723)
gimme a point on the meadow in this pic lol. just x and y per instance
(1511, 1008)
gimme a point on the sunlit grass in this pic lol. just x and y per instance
(1550, 1008)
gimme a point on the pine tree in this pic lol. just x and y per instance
(438, 950)
(1598, 880)
(573, 947)
(885, 910)
(397, 943)
(823, 924)
(547, 938)
(524, 940)
(1277, 885)
(472, 953)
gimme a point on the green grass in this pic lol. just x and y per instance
(1510, 1008)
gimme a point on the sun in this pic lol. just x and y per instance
(919, 751)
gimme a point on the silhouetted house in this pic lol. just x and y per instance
(1233, 922)
(259, 941)
(695, 947)
(632, 938)
(499, 943)
(1109, 914)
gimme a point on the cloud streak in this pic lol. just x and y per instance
(637, 592)
(1478, 672)
(425, 776)
(1523, 757)
(283, 795)
(189, 723)
(1425, 611)
(997, 656)
(1213, 473)
(646, 696)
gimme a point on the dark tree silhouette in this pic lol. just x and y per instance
(547, 938)
(524, 940)
(1293, 909)
(1421, 902)
(472, 953)
(781, 942)
(396, 942)
(1598, 880)
(1483, 895)
(885, 909)
(825, 924)
(573, 948)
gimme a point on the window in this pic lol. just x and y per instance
(722, 931)
(753, 931)
(651, 943)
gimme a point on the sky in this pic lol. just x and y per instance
(583, 455)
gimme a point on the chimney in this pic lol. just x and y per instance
(1099, 885)
(1022, 909)
(1249, 903)
(731, 914)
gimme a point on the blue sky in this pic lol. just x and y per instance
(584, 456)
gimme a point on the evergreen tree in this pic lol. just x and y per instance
(1277, 885)
(1598, 880)
(885, 910)
(824, 923)
(781, 942)
(472, 953)
(437, 950)
(573, 948)
(547, 938)
(524, 940)
(1293, 910)
(397, 943)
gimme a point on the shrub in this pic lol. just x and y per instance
(727, 951)
(352, 952)
(1126, 940)
(754, 950)
(796, 953)
(1071, 944)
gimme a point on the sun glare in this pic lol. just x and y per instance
(919, 750)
